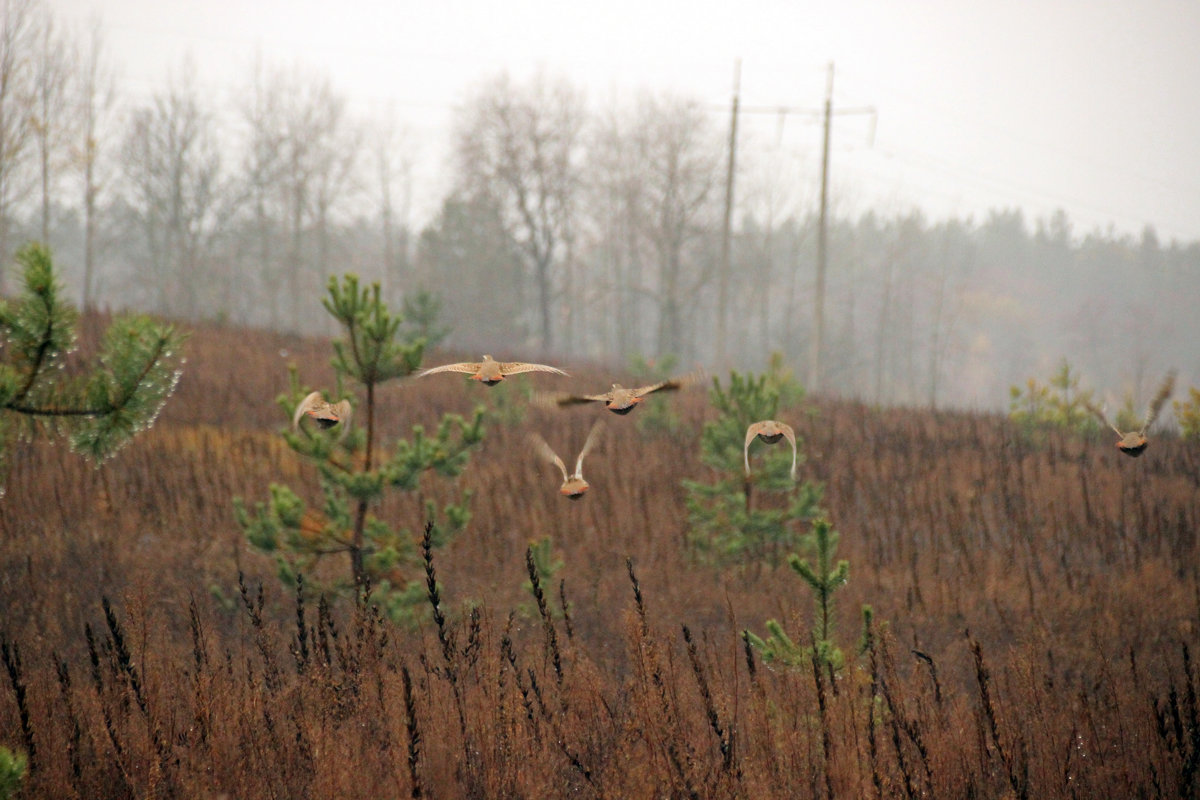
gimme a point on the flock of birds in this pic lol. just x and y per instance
(620, 400)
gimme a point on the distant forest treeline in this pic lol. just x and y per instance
(567, 230)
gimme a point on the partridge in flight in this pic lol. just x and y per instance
(325, 413)
(573, 486)
(490, 372)
(1134, 443)
(770, 431)
(620, 400)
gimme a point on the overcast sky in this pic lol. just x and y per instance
(1092, 107)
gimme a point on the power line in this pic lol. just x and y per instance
(1023, 194)
(1001, 131)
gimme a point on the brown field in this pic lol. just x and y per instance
(1036, 613)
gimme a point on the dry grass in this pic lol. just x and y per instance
(1035, 635)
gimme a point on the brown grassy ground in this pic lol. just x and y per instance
(1036, 611)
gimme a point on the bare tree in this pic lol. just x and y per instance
(260, 175)
(770, 202)
(614, 199)
(298, 169)
(947, 273)
(680, 155)
(392, 163)
(96, 101)
(18, 42)
(318, 158)
(51, 122)
(334, 149)
(174, 188)
(521, 145)
(885, 333)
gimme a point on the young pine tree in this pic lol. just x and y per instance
(824, 579)
(739, 519)
(1187, 414)
(1061, 403)
(355, 468)
(98, 410)
(13, 767)
(422, 312)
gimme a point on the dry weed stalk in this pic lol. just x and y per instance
(1056, 561)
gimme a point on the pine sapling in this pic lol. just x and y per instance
(99, 411)
(736, 519)
(823, 579)
(356, 468)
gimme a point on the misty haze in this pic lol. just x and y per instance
(876, 324)
(567, 224)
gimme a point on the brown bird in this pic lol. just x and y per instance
(770, 431)
(490, 372)
(620, 400)
(573, 486)
(325, 413)
(1134, 443)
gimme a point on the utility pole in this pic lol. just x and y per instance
(726, 265)
(826, 114)
(814, 380)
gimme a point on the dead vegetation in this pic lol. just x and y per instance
(1034, 635)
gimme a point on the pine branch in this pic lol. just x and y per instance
(121, 395)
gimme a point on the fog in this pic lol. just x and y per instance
(1021, 192)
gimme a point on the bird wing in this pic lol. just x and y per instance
(588, 444)
(641, 391)
(465, 367)
(790, 435)
(545, 400)
(551, 400)
(545, 451)
(751, 432)
(671, 384)
(515, 367)
(344, 414)
(1098, 414)
(576, 399)
(1164, 391)
(307, 404)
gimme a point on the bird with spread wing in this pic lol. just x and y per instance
(573, 485)
(325, 413)
(770, 431)
(489, 371)
(621, 400)
(1134, 443)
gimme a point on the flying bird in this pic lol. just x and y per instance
(325, 413)
(1134, 443)
(573, 486)
(620, 400)
(490, 372)
(770, 431)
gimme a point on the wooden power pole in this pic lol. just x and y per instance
(814, 380)
(726, 226)
(827, 114)
(818, 343)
